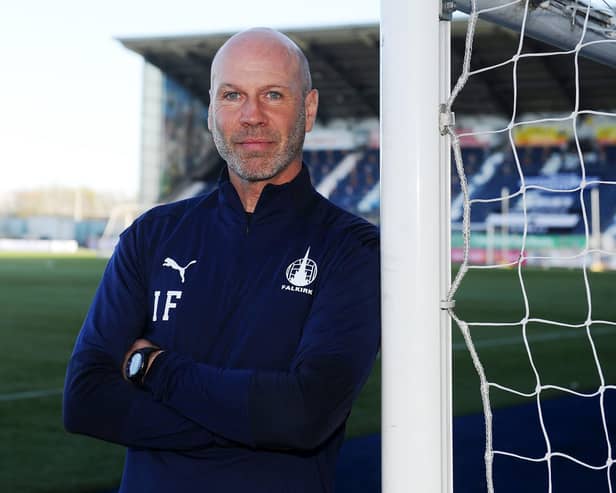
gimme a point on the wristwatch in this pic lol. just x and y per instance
(137, 364)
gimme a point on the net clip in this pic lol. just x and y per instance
(447, 304)
(448, 7)
(447, 119)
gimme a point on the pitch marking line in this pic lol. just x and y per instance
(32, 394)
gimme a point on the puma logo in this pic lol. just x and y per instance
(169, 262)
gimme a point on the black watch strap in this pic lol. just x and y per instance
(135, 370)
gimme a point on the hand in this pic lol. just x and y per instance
(138, 344)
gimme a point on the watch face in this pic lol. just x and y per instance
(134, 365)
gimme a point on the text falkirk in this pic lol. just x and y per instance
(297, 289)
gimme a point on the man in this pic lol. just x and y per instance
(231, 333)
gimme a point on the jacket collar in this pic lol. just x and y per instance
(275, 201)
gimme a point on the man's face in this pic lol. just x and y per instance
(258, 114)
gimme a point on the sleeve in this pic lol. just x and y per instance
(97, 400)
(300, 408)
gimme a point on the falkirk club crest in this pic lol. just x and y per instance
(301, 273)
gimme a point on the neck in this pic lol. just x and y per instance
(250, 191)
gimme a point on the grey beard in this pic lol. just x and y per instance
(277, 162)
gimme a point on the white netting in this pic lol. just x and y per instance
(582, 259)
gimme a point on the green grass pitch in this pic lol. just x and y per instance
(44, 300)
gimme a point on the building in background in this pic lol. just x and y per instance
(52, 214)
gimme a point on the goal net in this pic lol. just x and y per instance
(545, 175)
(532, 211)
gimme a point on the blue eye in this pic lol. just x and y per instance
(231, 96)
(275, 95)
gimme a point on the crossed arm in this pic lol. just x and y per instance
(97, 400)
(186, 405)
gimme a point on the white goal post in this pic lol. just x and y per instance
(416, 347)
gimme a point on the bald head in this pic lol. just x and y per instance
(264, 43)
(261, 106)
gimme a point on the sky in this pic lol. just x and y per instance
(70, 93)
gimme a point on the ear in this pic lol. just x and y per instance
(311, 104)
(209, 113)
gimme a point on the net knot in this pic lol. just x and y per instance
(447, 304)
(447, 119)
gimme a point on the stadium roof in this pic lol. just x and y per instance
(345, 66)
(344, 63)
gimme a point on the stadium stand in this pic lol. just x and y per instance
(346, 182)
(345, 66)
(550, 166)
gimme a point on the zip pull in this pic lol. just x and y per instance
(248, 221)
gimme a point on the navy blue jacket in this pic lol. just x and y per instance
(270, 325)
